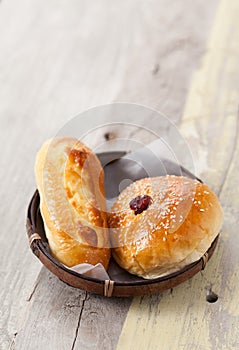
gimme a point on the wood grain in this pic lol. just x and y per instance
(182, 318)
(61, 316)
(57, 59)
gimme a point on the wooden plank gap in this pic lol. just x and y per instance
(79, 320)
(13, 343)
(33, 291)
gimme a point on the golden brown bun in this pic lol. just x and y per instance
(176, 229)
(70, 181)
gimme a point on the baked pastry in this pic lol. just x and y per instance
(160, 225)
(70, 181)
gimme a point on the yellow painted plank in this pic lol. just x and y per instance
(182, 319)
(211, 108)
(175, 320)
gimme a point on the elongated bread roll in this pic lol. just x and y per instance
(70, 181)
(160, 225)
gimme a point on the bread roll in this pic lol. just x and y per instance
(160, 225)
(70, 181)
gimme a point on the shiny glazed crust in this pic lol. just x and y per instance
(176, 229)
(70, 181)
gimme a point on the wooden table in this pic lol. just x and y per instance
(58, 58)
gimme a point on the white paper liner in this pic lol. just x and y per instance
(95, 271)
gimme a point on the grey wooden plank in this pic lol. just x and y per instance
(61, 317)
(57, 59)
(54, 310)
(102, 321)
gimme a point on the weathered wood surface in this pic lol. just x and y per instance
(182, 318)
(56, 60)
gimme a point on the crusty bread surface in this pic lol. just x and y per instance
(181, 219)
(70, 181)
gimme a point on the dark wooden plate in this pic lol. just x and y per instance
(121, 283)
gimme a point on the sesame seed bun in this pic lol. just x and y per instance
(160, 225)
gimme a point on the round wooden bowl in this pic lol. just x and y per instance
(121, 283)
